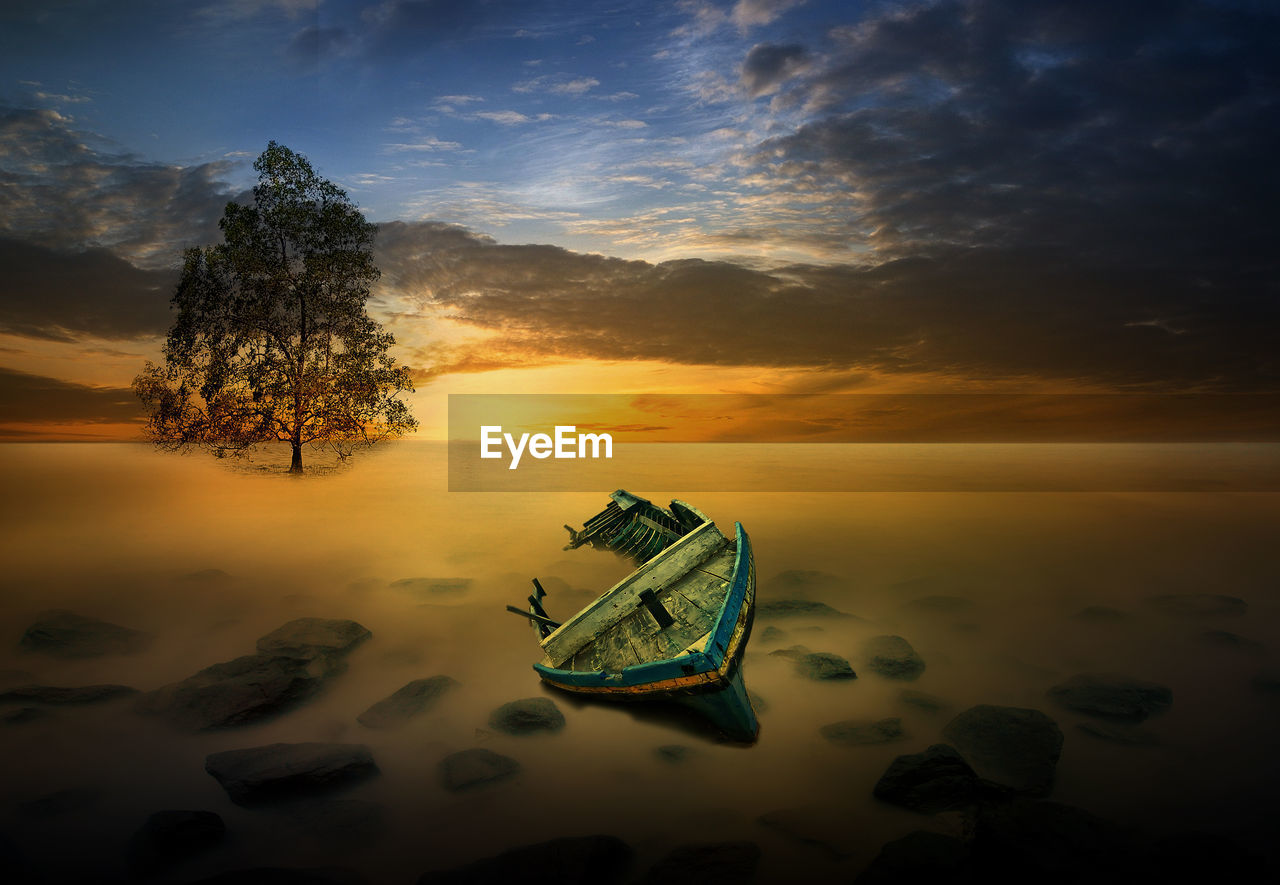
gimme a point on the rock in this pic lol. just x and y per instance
(581, 860)
(55, 694)
(172, 836)
(1229, 640)
(471, 768)
(65, 634)
(855, 733)
(1108, 696)
(237, 692)
(23, 715)
(921, 856)
(820, 826)
(1119, 734)
(921, 701)
(527, 716)
(892, 657)
(792, 653)
(311, 638)
(1102, 614)
(708, 863)
(940, 604)
(1012, 746)
(1036, 841)
(823, 665)
(792, 608)
(411, 700)
(431, 588)
(936, 780)
(672, 753)
(1198, 605)
(258, 775)
(285, 876)
(772, 634)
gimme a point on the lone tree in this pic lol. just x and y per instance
(272, 341)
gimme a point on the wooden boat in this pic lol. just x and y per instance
(674, 629)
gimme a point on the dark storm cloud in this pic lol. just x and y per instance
(767, 65)
(46, 293)
(61, 191)
(25, 397)
(962, 312)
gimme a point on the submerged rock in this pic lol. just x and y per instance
(432, 588)
(1011, 746)
(857, 733)
(258, 775)
(921, 856)
(311, 638)
(823, 666)
(922, 701)
(1227, 639)
(1112, 697)
(1114, 733)
(940, 604)
(772, 634)
(172, 836)
(23, 715)
(1198, 605)
(401, 706)
(237, 692)
(56, 694)
(791, 653)
(1102, 614)
(939, 779)
(527, 716)
(892, 657)
(791, 608)
(709, 863)
(672, 753)
(471, 768)
(580, 860)
(66, 634)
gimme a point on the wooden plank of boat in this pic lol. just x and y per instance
(675, 628)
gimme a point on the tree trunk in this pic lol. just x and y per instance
(296, 466)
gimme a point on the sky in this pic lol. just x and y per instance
(664, 197)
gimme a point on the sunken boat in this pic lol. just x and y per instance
(674, 629)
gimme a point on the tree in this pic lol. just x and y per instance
(272, 341)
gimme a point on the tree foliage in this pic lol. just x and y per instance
(272, 341)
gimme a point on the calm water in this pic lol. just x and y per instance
(210, 557)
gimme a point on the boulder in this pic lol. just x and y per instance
(471, 768)
(259, 775)
(859, 733)
(921, 856)
(56, 694)
(1109, 696)
(892, 657)
(311, 638)
(921, 701)
(411, 700)
(793, 608)
(66, 634)
(824, 666)
(237, 692)
(1012, 746)
(527, 716)
(1198, 605)
(708, 863)
(939, 779)
(580, 860)
(171, 836)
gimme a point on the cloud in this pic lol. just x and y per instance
(754, 13)
(768, 65)
(47, 293)
(559, 84)
(959, 313)
(35, 398)
(510, 118)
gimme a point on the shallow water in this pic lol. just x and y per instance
(209, 557)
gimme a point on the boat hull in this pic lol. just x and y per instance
(709, 681)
